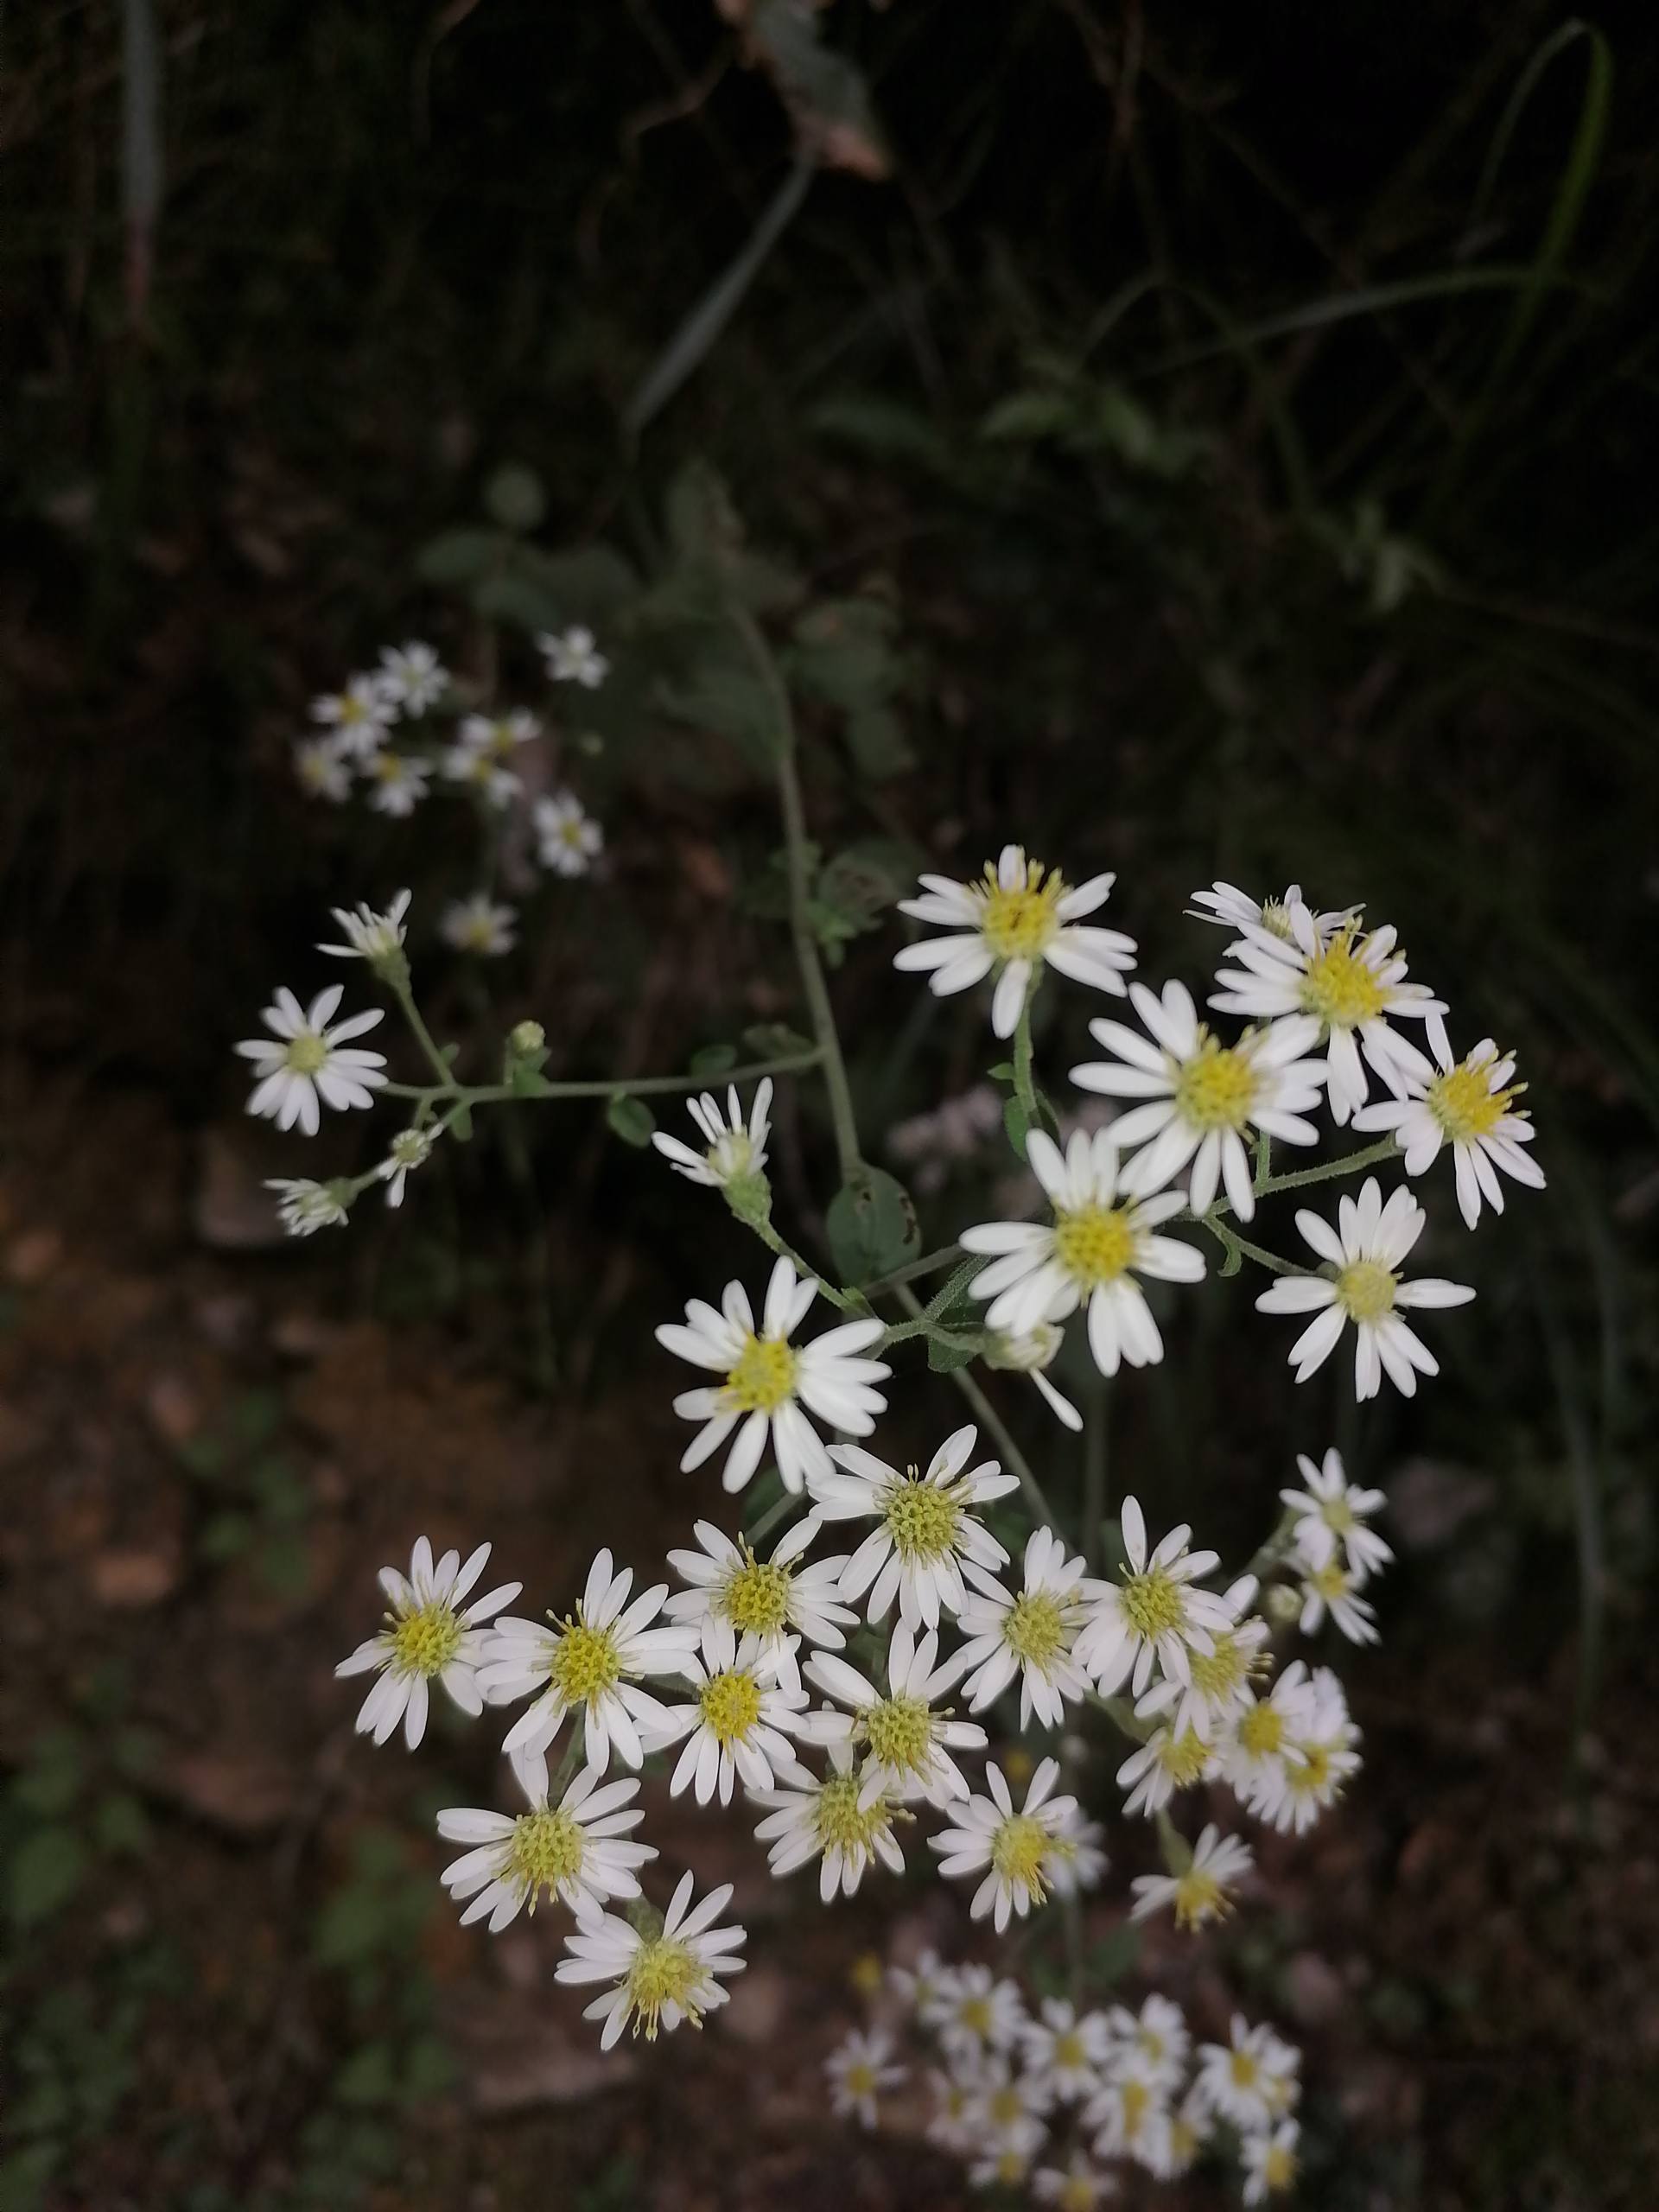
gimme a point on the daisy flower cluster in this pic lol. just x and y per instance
(1064, 2103)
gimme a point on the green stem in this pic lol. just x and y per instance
(1024, 1089)
(1235, 1246)
(1276, 1548)
(994, 1428)
(849, 1301)
(929, 1263)
(1122, 1715)
(1094, 1471)
(646, 1086)
(1177, 1851)
(422, 1035)
(1351, 1163)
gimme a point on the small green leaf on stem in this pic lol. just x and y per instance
(631, 1119)
(872, 1225)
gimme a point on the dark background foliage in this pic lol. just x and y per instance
(1233, 428)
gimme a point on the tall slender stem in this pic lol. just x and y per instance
(994, 1425)
(626, 1086)
(1095, 1410)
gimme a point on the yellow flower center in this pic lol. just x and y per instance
(901, 1731)
(1017, 924)
(755, 1599)
(924, 1521)
(1330, 1581)
(571, 831)
(1020, 1853)
(1095, 1244)
(1275, 918)
(867, 1974)
(732, 1157)
(1365, 1288)
(975, 2014)
(1184, 1757)
(763, 1377)
(859, 2078)
(1315, 1773)
(1183, 2143)
(664, 1971)
(1011, 2168)
(352, 710)
(1137, 2099)
(389, 767)
(425, 1641)
(546, 1849)
(1035, 1629)
(1261, 1731)
(1339, 987)
(1244, 2070)
(1220, 1674)
(1338, 1513)
(1152, 1604)
(731, 1705)
(1198, 1895)
(585, 1663)
(1216, 1089)
(307, 1052)
(1005, 2107)
(1464, 1103)
(1069, 2050)
(1279, 2167)
(1078, 2194)
(842, 1825)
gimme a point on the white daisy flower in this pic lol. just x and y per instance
(569, 840)
(1205, 1099)
(1468, 1105)
(1029, 1633)
(499, 736)
(1290, 1792)
(921, 1987)
(1241, 2079)
(358, 716)
(1269, 2158)
(1261, 1744)
(320, 770)
(661, 1979)
(767, 1380)
(1191, 2125)
(764, 1599)
(1005, 2155)
(1099, 1241)
(430, 1634)
(573, 1850)
(1218, 1681)
(951, 2126)
(1156, 2038)
(1029, 1353)
(926, 1527)
(1067, 2050)
(311, 1064)
(370, 936)
(482, 771)
(909, 1741)
(590, 1665)
(1129, 2114)
(1019, 917)
(808, 1818)
(410, 1148)
(739, 1723)
(1233, 909)
(1331, 1511)
(1169, 1760)
(1153, 1613)
(1200, 1892)
(410, 677)
(303, 1207)
(572, 656)
(981, 2014)
(1078, 2186)
(731, 1151)
(399, 779)
(1365, 1251)
(858, 2068)
(478, 924)
(1334, 1588)
(1079, 1861)
(1015, 1851)
(1353, 983)
(1007, 2108)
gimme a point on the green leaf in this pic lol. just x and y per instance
(368, 2078)
(1024, 415)
(876, 740)
(1114, 1956)
(120, 1824)
(1017, 1122)
(226, 1537)
(712, 1059)
(723, 694)
(631, 1119)
(514, 498)
(872, 1224)
(50, 1784)
(24, 2175)
(946, 1358)
(45, 1873)
(458, 557)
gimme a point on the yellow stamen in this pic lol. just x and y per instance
(1094, 1244)
(731, 1705)
(1216, 1089)
(1339, 986)
(762, 1379)
(1365, 1288)
(1017, 924)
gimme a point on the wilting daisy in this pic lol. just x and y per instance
(1015, 1850)
(572, 656)
(1469, 1105)
(1098, 1242)
(736, 1724)
(1078, 2186)
(1269, 2158)
(1079, 1861)
(661, 1979)
(1319, 1757)
(767, 1380)
(410, 677)
(310, 1061)
(399, 780)
(1353, 983)
(481, 772)
(480, 925)
(303, 1207)
(909, 1741)
(1365, 1251)
(1153, 1613)
(1029, 1633)
(410, 1148)
(1243, 2078)
(1038, 1348)
(590, 1664)
(808, 1818)
(569, 840)
(431, 1635)
(1205, 1099)
(1172, 1758)
(1330, 1511)
(358, 716)
(1200, 1892)
(320, 770)
(859, 2070)
(1218, 1681)
(925, 1526)
(731, 1151)
(1066, 2050)
(574, 1850)
(1334, 1588)
(764, 1599)
(1017, 918)
(980, 2014)
(1233, 909)
(370, 936)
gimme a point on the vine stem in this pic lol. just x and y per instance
(995, 1427)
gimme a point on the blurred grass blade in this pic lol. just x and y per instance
(141, 146)
(1559, 41)
(697, 334)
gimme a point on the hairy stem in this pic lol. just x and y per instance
(995, 1427)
